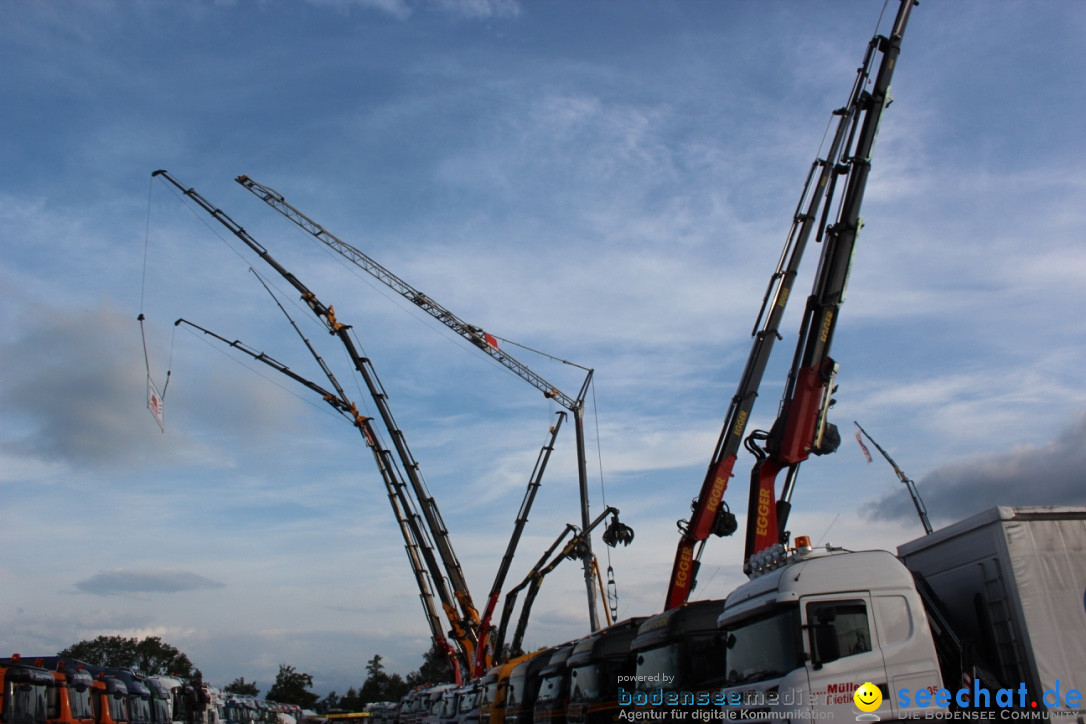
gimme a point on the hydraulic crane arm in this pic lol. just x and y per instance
(426, 502)
(474, 334)
(483, 655)
(708, 516)
(801, 427)
(419, 552)
(511, 595)
(573, 549)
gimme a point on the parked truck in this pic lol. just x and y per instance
(24, 692)
(986, 615)
(68, 697)
(599, 664)
(679, 657)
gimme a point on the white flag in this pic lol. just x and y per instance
(154, 403)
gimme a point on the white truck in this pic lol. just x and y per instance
(984, 619)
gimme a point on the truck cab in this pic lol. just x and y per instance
(24, 692)
(70, 694)
(523, 688)
(495, 688)
(679, 661)
(110, 699)
(553, 694)
(138, 696)
(809, 629)
(597, 664)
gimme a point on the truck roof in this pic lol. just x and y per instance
(818, 572)
(689, 617)
(990, 516)
(611, 641)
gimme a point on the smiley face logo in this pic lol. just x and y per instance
(868, 697)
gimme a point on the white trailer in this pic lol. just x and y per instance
(1013, 581)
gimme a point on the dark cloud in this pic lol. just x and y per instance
(1050, 474)
(76, 380)
(121, 582)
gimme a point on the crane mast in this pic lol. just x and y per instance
(453, 570)
(709, 514)
(801, 428)
(473, 334)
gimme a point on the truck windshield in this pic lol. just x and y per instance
(653, 663)
(488, 691)
(585, 681)
(160, 710)
(79, 699)
(469, 700)
(766, 646)
(550, 689)
(117, 710)
(24, 703)
(515, 695)
(139, 708)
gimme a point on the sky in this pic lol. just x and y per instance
(608, 184)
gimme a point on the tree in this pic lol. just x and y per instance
(329, 703)
(150, 656)
(380, 686)
(292, 687)
(241, 686)
(435, 669)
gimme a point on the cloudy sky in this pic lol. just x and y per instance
(606, 182)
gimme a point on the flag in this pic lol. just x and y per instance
(155, 403)
(867, 453)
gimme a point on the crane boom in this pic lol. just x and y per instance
(482, 652)
(419, 552)
(801, 427)
(453, 569)
(475, 335)
(710, 516)
(574, 548)
(918, 502)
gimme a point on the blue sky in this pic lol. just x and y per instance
(609, 183)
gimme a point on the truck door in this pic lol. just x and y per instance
(842, 654)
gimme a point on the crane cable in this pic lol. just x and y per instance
(156, 400)
(612, 586)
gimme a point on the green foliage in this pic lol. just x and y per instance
(330, 702)
(380, 686)
(292, 687)
(242, 687)
(436, 669)
(149, 656)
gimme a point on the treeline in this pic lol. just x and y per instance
(154, 657)
(382, 686)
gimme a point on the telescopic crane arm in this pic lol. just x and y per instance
(801, 427)
(474, 334)
(419, 552)
(483, 656)
(326, 314)
(918, 503)
(710, 516)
